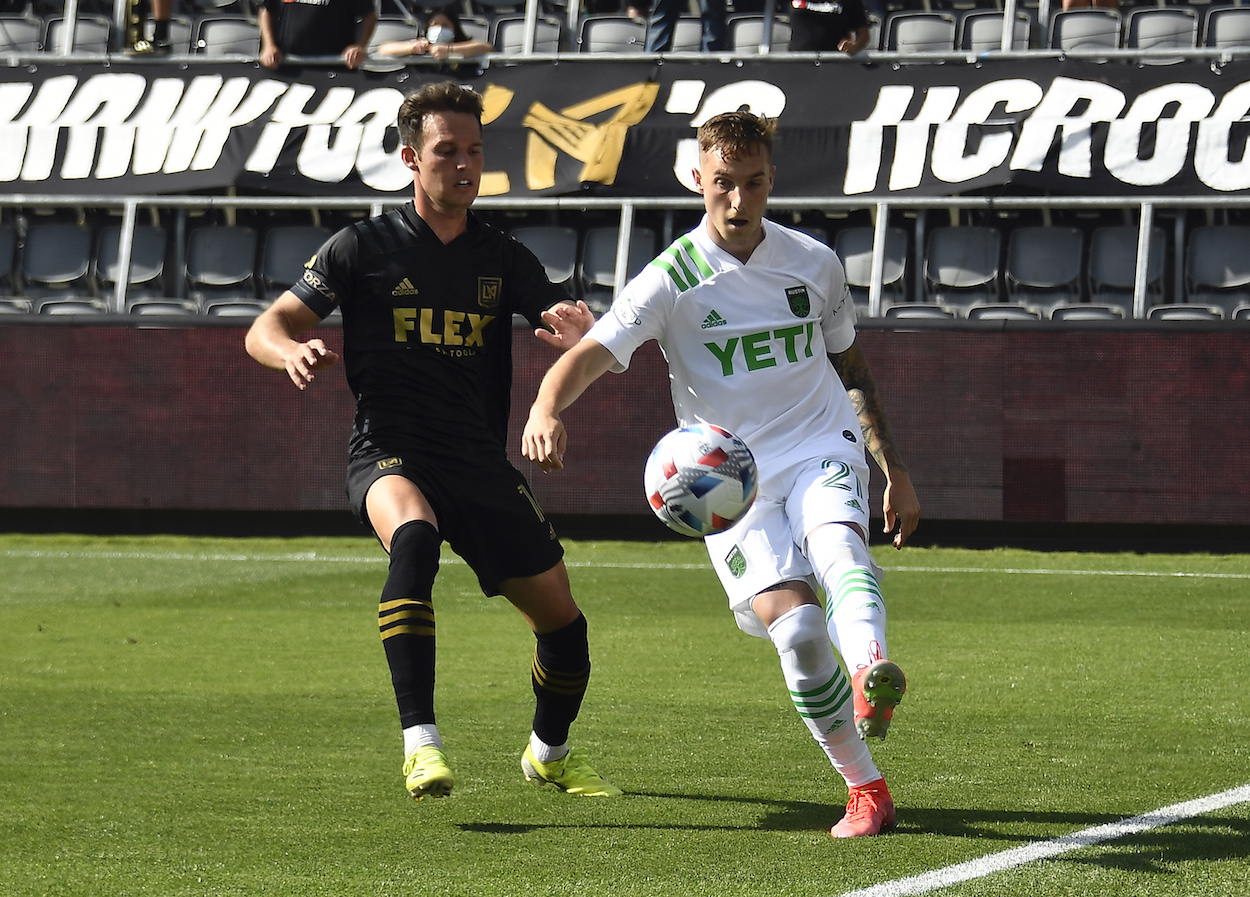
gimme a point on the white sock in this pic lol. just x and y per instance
(421, 735)
(854, 607)
(821, 692)
(545, 753)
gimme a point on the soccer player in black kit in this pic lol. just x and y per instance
(427, 293)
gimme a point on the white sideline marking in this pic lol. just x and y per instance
(304, 556)
(1028, 853)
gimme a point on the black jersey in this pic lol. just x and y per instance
(427, 330)
(316, 27)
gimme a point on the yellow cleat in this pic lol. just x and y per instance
(426, 773)
(572, 774)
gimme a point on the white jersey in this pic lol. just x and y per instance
(747, 343)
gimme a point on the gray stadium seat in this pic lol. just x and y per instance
(919, 310)
(19, 34)
(1160, 28)
(920, 32)
(1043, 266)
(981, 31)
(1183, 311)
(962, 266)
(597, 268)
(1087, 312)
(1217, 266)
(1227, 27)
(556, 248)
(286, 250)
(746, 34)
(392, 28)
(612, 34)
(56, 261)
(1003, 311)
(147, 260)
(509, 34)
(854, 247)
(221, 263)
(1087, 28)
(92, 34)
(226, 36)
(1113, 263)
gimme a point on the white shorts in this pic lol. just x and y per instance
(766, 547)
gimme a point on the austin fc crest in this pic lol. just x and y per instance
(488, 291)
(800, 304)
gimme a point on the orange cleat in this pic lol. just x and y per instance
(878, 689)
(870, 811)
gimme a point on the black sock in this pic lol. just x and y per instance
(561, 673)
(406, 619)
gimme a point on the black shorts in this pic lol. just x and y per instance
(485, 512)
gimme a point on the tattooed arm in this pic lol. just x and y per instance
(902, 508)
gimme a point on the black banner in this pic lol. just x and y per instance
(626, 128)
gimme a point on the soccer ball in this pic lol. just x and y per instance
(700, 479)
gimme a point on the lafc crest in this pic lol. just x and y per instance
(489, 291)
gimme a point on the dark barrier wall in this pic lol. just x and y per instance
(1081, 427)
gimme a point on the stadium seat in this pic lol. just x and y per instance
(158, 306)
(509, 34)
(1003, 311)
(92, 34)
(12, 305)
(1086, 28)
(854, 247)
(1085, 311)
(286, 250)
(961, 266)
(1043, 266)
(597, 269)
(612, 34)
(687, 35)
(981, 31)
(920, 32)
(392, 28)
(1113, 264)
(746, 34)
(147, 260)
(1227, 27)
(919, 311)
(8, 259)
(1241, 313)
(556, 248)
(233, 308)
(69, 305)
(227, 36)
(1217, 266)
(56, 261)
(1154, 29)
(1183, 311)
(221, 262)
(19, 34)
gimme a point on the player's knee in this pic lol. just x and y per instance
(837, 545)
(801, 632)
(414, 559)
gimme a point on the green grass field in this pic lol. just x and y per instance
(209, 716)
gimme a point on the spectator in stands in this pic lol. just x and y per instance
(663, 23)
(138, 41)
(308, 28)
(444, 36)
(828, 25)
(428, 457)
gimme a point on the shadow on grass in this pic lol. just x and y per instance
(1154, 851)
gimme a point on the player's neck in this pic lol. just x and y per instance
(446, 223)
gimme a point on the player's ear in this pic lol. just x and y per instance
(698, 179)
(408, 156)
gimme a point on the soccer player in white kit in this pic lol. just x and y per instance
(758, 329)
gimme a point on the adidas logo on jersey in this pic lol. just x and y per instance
(404, 288)
(713, 320)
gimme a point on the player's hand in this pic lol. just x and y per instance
(568, 322)
(902, 508)
(307, 358)
(544, 440)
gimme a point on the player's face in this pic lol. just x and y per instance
(449, 166)
(735, 194)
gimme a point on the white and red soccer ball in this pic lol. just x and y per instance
(700, 479)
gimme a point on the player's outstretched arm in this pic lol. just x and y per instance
(545, 439)
(901, 506)
(273, 340)
(569, 322)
